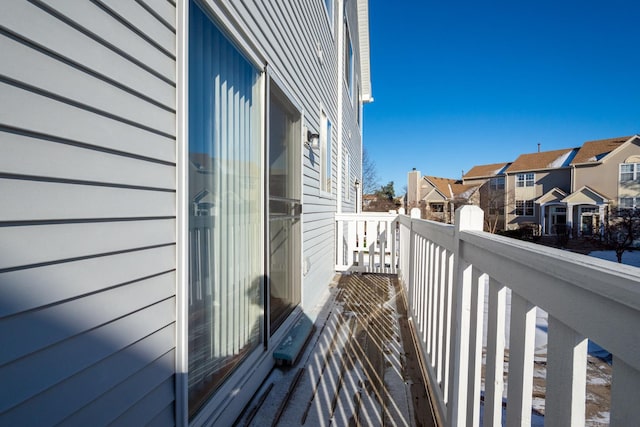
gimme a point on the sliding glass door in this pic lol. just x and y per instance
(226, 223)
(284, 207)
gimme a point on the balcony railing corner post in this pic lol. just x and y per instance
(467, 218)
(412, 266)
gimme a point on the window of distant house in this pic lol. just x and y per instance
(348, 59)
(325, 153)
(524, 207)
(437, 207)
(494, 207)
(627, 203)
(225, 215)
(629, 172)
(497, 183)
(525, 179)
(328, 4)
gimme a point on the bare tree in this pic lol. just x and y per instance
(369, 173)
(622, 228)
(493, 202)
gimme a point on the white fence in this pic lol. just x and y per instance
(367, 242)
(445, 269)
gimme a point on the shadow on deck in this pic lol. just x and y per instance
(359, 368)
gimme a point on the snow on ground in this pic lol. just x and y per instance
(599, 372)
(628, 258)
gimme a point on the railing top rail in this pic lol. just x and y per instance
(599, 299)
(406, 220)
(608, 279)
(366, 216)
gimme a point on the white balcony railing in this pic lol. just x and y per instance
(445, 270)
(368, 242)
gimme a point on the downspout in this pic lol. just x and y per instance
(505, 203)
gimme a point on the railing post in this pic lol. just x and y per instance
(338, 244)
(415, 213)
(339, 236)
(468, 218)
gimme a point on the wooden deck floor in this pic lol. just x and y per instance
(358, 369)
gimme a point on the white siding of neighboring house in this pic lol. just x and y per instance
(87, 206)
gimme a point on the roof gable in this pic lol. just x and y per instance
(451, 188)
(555, 195)
(441, 184)
(586, 195)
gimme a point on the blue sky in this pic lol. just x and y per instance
(463, 83)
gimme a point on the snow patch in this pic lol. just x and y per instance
(598, 380)
(629, 257)
(560, 161)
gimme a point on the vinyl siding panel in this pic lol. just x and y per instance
(89, 312)
(28, 200)
(141, 413)
(118, 399)
(56, 363)
(117, 30)
(30, 288)
(34, 112)
(163, 10)
(30, 155)
(36, 69)
(87, 212)
(76, 240)
(56, 403)
(33, 25)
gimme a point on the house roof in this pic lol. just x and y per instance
(543, 160)
(594, 151)
(484, 171)
(450, 188)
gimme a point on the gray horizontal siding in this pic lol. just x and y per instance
(117, 400)
(35, 25)
(76, 240)
(88, 165)
(36, 112)
(87, 212)
(89, 312)
(56, 403)
(30, 200)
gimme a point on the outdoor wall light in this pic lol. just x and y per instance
(313, 140)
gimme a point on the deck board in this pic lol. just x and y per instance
(356, 369)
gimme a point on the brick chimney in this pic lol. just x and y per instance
(413, 188)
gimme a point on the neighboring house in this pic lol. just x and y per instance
(491, 179)
(606, 173)
(437, 198)
(534, 176)
(367, 200)
(561, 191)
(166, 170)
